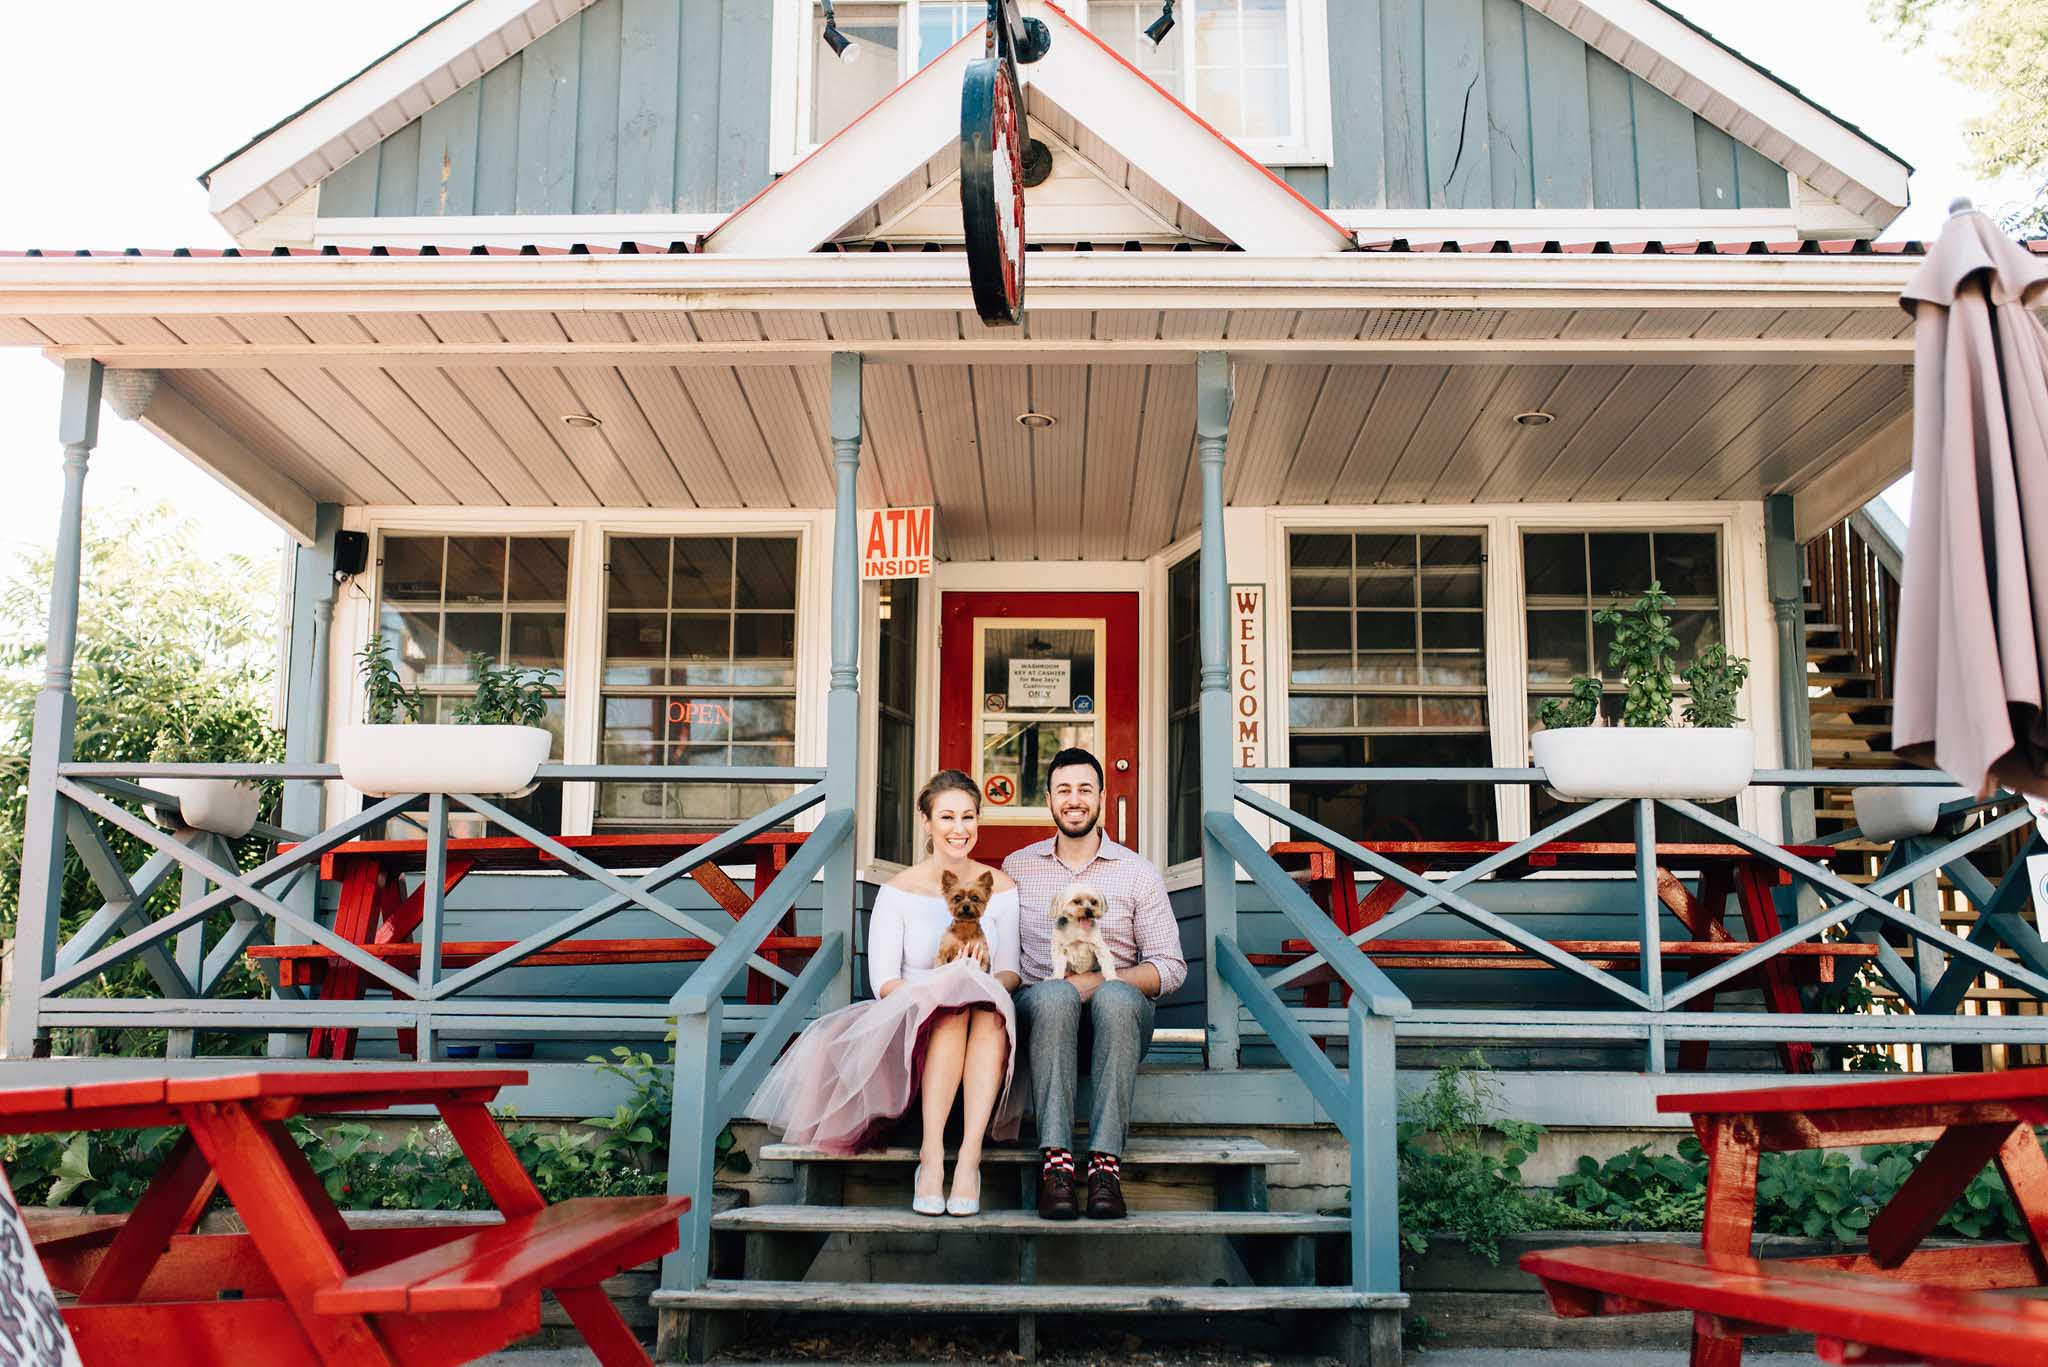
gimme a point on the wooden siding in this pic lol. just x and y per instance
(625, 108)
(1482, 104)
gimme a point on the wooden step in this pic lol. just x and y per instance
(1835, 678)
(978, 1299)
(1851, 730)
(901, 1220)
(1822, 654)
(1221, 1152)
(1816, 628)
(1846, 702)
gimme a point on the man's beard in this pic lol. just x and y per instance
(1073, 832)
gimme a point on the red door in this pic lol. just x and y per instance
(1024, 675)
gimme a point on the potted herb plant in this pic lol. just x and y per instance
(224, 806)
(1709, 759)
(492, 747)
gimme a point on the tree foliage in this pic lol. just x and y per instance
(1998, 48)
(176, 657)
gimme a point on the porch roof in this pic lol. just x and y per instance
(1362, 377)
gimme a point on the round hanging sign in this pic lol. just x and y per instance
(1000, 790)
(992, 189)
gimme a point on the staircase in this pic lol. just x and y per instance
(1199, 1242)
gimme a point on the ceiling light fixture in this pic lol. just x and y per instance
(581, 420)
(1160, 27)
(1037, 422)
(843, 47)
(1535, 417)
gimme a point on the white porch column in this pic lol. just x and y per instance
(842, 700)
(1219, 870)
(37, 927)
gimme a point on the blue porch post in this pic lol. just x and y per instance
(842, 701)
(304, 807)
(37, 927)
(1219, 871)
(1785, 574)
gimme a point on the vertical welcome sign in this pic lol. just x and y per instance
(1248, 675)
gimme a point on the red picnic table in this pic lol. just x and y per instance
(1897, 1302)
(1724, 871)
(374, 910)
(301, 1288)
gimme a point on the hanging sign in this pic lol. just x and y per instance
(1041, 683)
(897, 544)
(32, 1330)
(992, 150)
(1248, 675)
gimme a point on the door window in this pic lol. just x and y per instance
(1038, 694)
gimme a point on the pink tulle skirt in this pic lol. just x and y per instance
(853, 1073)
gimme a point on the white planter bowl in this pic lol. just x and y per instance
(223, 806)
(431, 758)
(1698, 764)
(1894, 813)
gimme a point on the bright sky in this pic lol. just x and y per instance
(119, 104)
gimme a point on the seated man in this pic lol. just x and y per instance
(1111, 1021)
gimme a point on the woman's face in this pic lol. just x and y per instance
(951, 825)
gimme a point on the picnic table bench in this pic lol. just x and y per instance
(300, 1288)
(1896, 1302)
(1724, 871)
(373, 910)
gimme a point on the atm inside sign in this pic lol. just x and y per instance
(898, 544)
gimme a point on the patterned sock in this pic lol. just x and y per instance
(1104, 1162)
(1058, 1160)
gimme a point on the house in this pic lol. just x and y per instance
(1368, 351)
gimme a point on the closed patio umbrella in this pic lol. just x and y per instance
(1972, 661)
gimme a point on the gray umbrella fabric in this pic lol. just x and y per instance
(1972, 662)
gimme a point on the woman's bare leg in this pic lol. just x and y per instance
(945, 1050)
(988, 1049)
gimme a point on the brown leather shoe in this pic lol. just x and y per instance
(1105, 1193)
(1056, 1193)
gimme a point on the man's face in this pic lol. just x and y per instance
(1075, 796)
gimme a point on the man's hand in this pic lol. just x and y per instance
(1085, 983)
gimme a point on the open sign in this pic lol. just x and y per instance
(688, 712)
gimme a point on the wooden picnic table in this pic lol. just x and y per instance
(374, 910)
(1724, 870)
(1896, 1302)
(301, 1288)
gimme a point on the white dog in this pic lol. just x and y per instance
(1077, 945)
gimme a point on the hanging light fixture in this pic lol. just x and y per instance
(1163, 25)
(843, 47)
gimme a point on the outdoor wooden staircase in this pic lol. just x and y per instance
(1200, 1241)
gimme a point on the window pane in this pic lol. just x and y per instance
(695, 721)
(1554, 565)
(1451, 572)
(700, 649)
(634, 725)
(1322, 631)
(1695, 632)
(841, 91)
(1620, 563)
(1322, 590)
(415, 639)
(766, 572)
(476, 569)
(757, 720)
(412, 569)
(1386, 571)
(1310, 710)
(940, 25)
(1386, 631)
(1380, 711)
(1688, 564)
(764, 649)
(635, 645)
(703, 573)
(1266, 103)
(1316, 552)
(637, 575)
(539, 640)
(540, 570)
(1557, 646)
(464, 634)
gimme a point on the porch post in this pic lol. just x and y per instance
(1785, 562)
(1219, 871)
(304, 806)
(842, 702)
(37, 927)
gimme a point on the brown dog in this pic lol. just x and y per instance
(966, 901)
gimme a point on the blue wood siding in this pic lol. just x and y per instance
(631, 107)
(1482, 104)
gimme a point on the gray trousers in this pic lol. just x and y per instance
(1114, 1026)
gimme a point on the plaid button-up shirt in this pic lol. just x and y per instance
(1137, 920)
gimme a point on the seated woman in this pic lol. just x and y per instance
(940, 1032)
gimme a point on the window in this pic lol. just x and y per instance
(1183, 711)
(1388, 666)
(896, 723)
(1237, 63)
(699, 668)
(445, 598)
(893, 40)
(1567, 578)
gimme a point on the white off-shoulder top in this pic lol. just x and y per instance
(904, 931)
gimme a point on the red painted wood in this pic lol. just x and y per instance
(2025, 1170)
(2023, 1085)
(1703, 918)
(1934, 1185)
(483, 1144)
(481, 1269)
(1971, 1267)
(509, 851)
(203, 1333)
(1117, 678)
(1753, 884)
(172, 1205)
(323, 1083)
(355, 920)
(305, 963)
(598, 1319)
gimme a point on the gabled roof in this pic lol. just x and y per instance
(277, 165)
(869, 159)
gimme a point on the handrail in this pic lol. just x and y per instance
(725, 963)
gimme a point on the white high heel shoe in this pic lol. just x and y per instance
(965, 1205)
(925, 1205)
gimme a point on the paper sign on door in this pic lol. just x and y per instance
(1041, 683)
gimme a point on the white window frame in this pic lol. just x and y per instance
(795, 72)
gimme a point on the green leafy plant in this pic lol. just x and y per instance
(506, 695)
(1645, 651)
(385, 697)
(1637, 1189)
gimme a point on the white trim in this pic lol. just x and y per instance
(355, 116)
(1575, 225)
(512, 230)
(1739, 99)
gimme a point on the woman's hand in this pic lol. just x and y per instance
(978, 952)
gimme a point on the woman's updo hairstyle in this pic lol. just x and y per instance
(946, 781)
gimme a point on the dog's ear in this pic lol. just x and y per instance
(947, 882)
(984, 884)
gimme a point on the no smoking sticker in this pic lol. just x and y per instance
(1000, 789)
